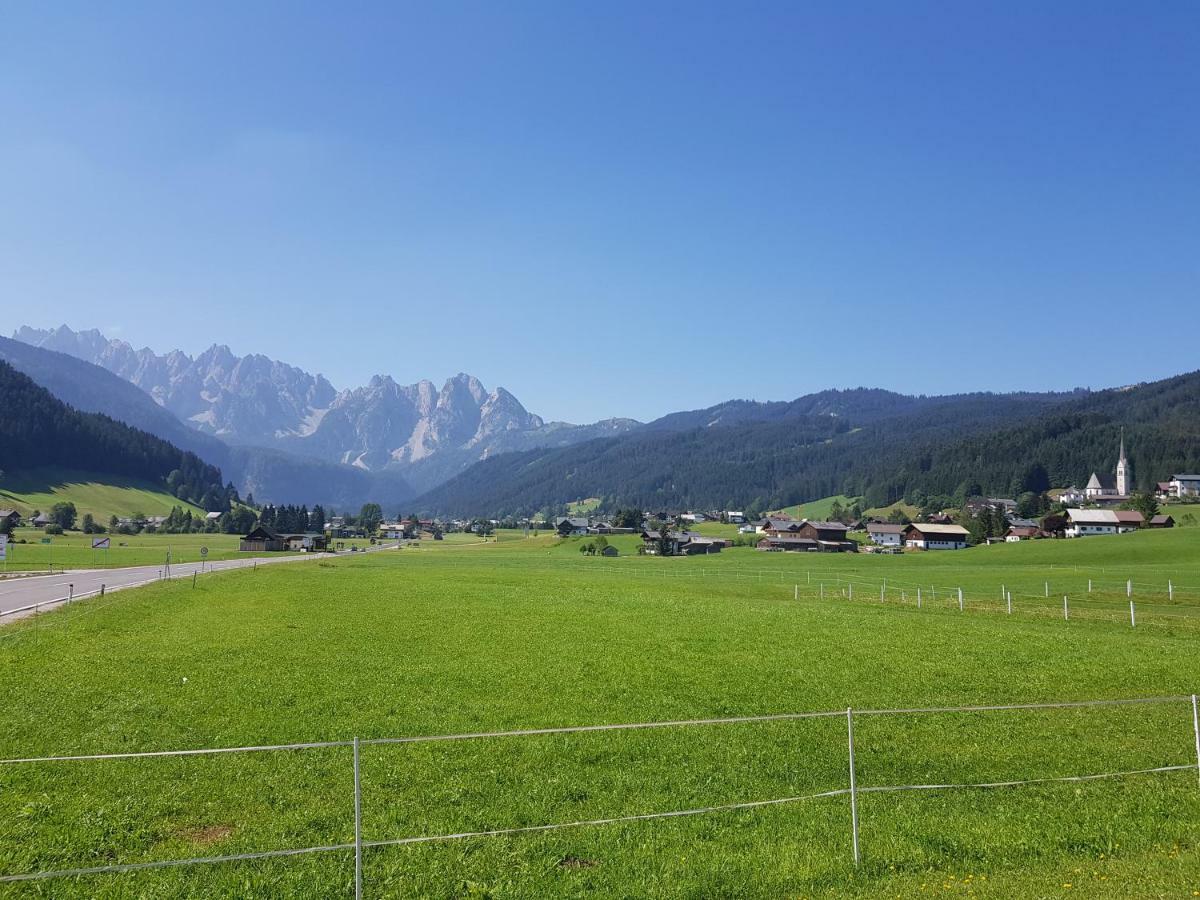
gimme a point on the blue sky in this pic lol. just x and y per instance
(614, 208)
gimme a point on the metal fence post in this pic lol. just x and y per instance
(357, 827)
(853, 785)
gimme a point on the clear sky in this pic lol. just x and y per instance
(615, 208)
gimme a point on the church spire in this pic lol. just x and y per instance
(1124, 470)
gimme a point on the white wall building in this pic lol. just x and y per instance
(920, 536)
(885, 534)
(1185, 485)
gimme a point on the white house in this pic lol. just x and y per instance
(1072, 495)
(571, 525)
(735, 517)
(694, 517)
(1184, 485)
(922, 536)
(885, 534)
(1088, 522)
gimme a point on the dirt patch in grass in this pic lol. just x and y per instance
(574, 862)
(206, 835)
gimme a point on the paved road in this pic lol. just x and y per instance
(23, 596)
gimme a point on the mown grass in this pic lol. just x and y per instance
(469, 637)
(101, 495)
(73, 550)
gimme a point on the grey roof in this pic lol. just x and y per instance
(926, 528)
(885, 528)
(1093, 516)
(1185, 477)
(835, 526)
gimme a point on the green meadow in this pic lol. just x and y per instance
(101, 495)
(73, 550)
(458, 637)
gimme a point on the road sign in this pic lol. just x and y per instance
(4, 546)
(204, 551)
(100, 543)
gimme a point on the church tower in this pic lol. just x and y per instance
(1124, 471)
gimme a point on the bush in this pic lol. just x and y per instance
(53, 529)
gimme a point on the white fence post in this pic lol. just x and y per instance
(960, 604)
(918, 598)
(796, 592)
(1171, 591)
(1089, 585)
(1196, 731)
(1009, 602)
(357, 827)
(1066, 615)
(852, 590)
(1047, 589)
(1129, 588)
(1132, 616)
(853, 785)
(822, 590)
(881, 592)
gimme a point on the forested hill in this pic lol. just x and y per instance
(38, 430)
(884, 450)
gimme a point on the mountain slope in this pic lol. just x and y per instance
(422, 434)
(270, 475)
(870, 445)
(38, 430)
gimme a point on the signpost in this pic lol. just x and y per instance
(203, 555)
(4, 550)
(100, 544)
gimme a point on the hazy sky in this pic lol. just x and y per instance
(614, 208)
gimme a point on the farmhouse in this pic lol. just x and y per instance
(806, 535)
(922, 536)
(1161, 521)
(569, 526)
(261, 540)
(682, 543)
(10, 516)
(886, 534)
(1088, 522)
(1017, 533)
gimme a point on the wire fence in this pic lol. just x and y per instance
(851, 789)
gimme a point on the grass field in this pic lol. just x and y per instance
(462, 637)
(102, 496)
(74, 550)
(822, 508)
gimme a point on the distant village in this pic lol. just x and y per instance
(1107, 504)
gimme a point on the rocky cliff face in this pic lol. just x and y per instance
(426, 433)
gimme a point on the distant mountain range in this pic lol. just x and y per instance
(290, 437)
(410, 437)
(870, 443)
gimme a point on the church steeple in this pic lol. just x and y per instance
(1124, 470)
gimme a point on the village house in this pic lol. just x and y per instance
(261, 540)
(1089, 522)
(570, 526)
(735, 517)
(267, 540)
(1161, 521)
(1184, 486)
(925, 536)
(1017, 533)
(788, 534)
(11, 517)
(885, 534)
(1072, 496)
(682, 543)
